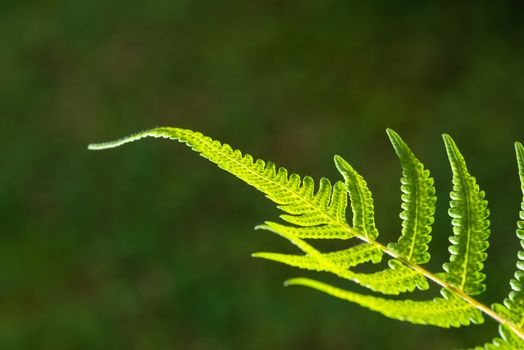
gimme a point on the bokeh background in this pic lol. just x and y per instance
(148, 246)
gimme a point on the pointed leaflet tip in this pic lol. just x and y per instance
(452, 150)
(338, 160)
(391, 133)
(393, 137)
(448, 141)
(400, 147)
(342, 165)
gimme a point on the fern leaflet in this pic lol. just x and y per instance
(418, 203)
(469, 215)
(448, 311)
(361, 199)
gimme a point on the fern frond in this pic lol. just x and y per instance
(449, 311)
(321, 214)
(418, 204)
(470, 222)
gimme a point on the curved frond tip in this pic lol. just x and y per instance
(158, 133)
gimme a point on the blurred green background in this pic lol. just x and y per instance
(148, 246)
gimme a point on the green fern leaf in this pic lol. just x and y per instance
(470, 227)
(317, 232)
(318, 216)
(325, 260)
(361, 199)
(418, 203)
(514, 303)
(321, 215)
(345, 259)
(513, 308)
(397, 278)
(394, 280)
(293, 196)
(449, 311)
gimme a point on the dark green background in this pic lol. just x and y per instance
(148, 246)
